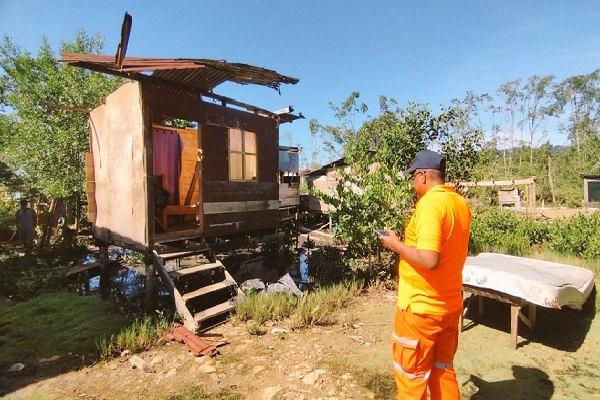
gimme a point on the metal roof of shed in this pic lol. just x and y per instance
(195, 74)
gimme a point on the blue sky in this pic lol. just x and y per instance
(424, 51)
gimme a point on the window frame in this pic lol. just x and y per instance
(245, 154)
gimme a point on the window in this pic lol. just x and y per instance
(242, 155)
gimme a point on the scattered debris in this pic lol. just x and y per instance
(253, 284)
(49, 359)
(137, 362)
(16, 367)
(312, 377)
(285, 284)
(193, 343)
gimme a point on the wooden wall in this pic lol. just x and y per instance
(120, 181)
(235, 207)
(228, 207)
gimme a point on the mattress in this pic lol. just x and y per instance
(544, 283)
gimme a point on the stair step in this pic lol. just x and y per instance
(214, 311)
(192, 270)
(184, 253)
(208, 289)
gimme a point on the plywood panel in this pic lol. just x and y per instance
(289, 195)
(163, 103)
(90, 187)
(239, 191)
(214, 154)
(117, 144)
(233, 223)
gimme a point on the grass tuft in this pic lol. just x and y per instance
(325, 306)
(142, 334)
(198, 393)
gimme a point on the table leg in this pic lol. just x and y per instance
(481, 310)
(514, 325)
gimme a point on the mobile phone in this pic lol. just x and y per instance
(380, 232)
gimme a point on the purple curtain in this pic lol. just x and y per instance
(166, 160)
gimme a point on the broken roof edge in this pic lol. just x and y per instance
(170, 69)
(178, 81)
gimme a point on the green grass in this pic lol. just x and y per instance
(142, 334)
(325, 306)
(56, 324)
(198, 393)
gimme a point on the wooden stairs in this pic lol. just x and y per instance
(202, 289)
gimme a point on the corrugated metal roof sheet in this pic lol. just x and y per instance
(197, 75)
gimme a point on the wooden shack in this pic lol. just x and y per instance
(151, 183)
(220, 175)
(325, 180)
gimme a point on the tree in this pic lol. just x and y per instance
(334, 138)
(510, 95)
(45, 105)
(375, 192)
(581, 93)
(536, 105)
(461, 141)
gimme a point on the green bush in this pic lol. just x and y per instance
(496, 230)
(27, 277)
(7, 218)
(577, 236)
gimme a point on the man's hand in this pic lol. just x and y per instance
(423, 258)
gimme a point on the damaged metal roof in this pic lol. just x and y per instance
(197, 75)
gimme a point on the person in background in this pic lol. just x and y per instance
(26, 222)
(430, 302)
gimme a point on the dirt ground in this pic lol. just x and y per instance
(557, 361)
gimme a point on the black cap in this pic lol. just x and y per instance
(427, 159)
(23, 201)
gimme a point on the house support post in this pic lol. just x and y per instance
(104, 273)
(150, 283)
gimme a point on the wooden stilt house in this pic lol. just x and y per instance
(150, 182)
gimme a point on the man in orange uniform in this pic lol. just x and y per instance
(430, 301)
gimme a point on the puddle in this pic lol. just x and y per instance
(128, 284)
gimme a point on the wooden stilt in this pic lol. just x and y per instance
(104, 273)
(150, 283)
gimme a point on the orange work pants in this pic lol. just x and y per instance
(423, 350)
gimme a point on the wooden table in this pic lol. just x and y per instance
(516, 306)
(524, 283)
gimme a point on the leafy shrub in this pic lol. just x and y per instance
(27, 277)
(578, 236)
(7, 218)
(328, 265)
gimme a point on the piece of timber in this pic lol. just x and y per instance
(214, 311)
(192, 270)
(208, 289)
(184, 253)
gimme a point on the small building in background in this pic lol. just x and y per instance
(289, 182)
(591, 190)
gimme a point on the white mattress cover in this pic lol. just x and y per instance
(544, 283)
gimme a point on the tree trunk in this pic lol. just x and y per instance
(46, 224)
(551, 182)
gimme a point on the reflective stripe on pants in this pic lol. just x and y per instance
(423, 350)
